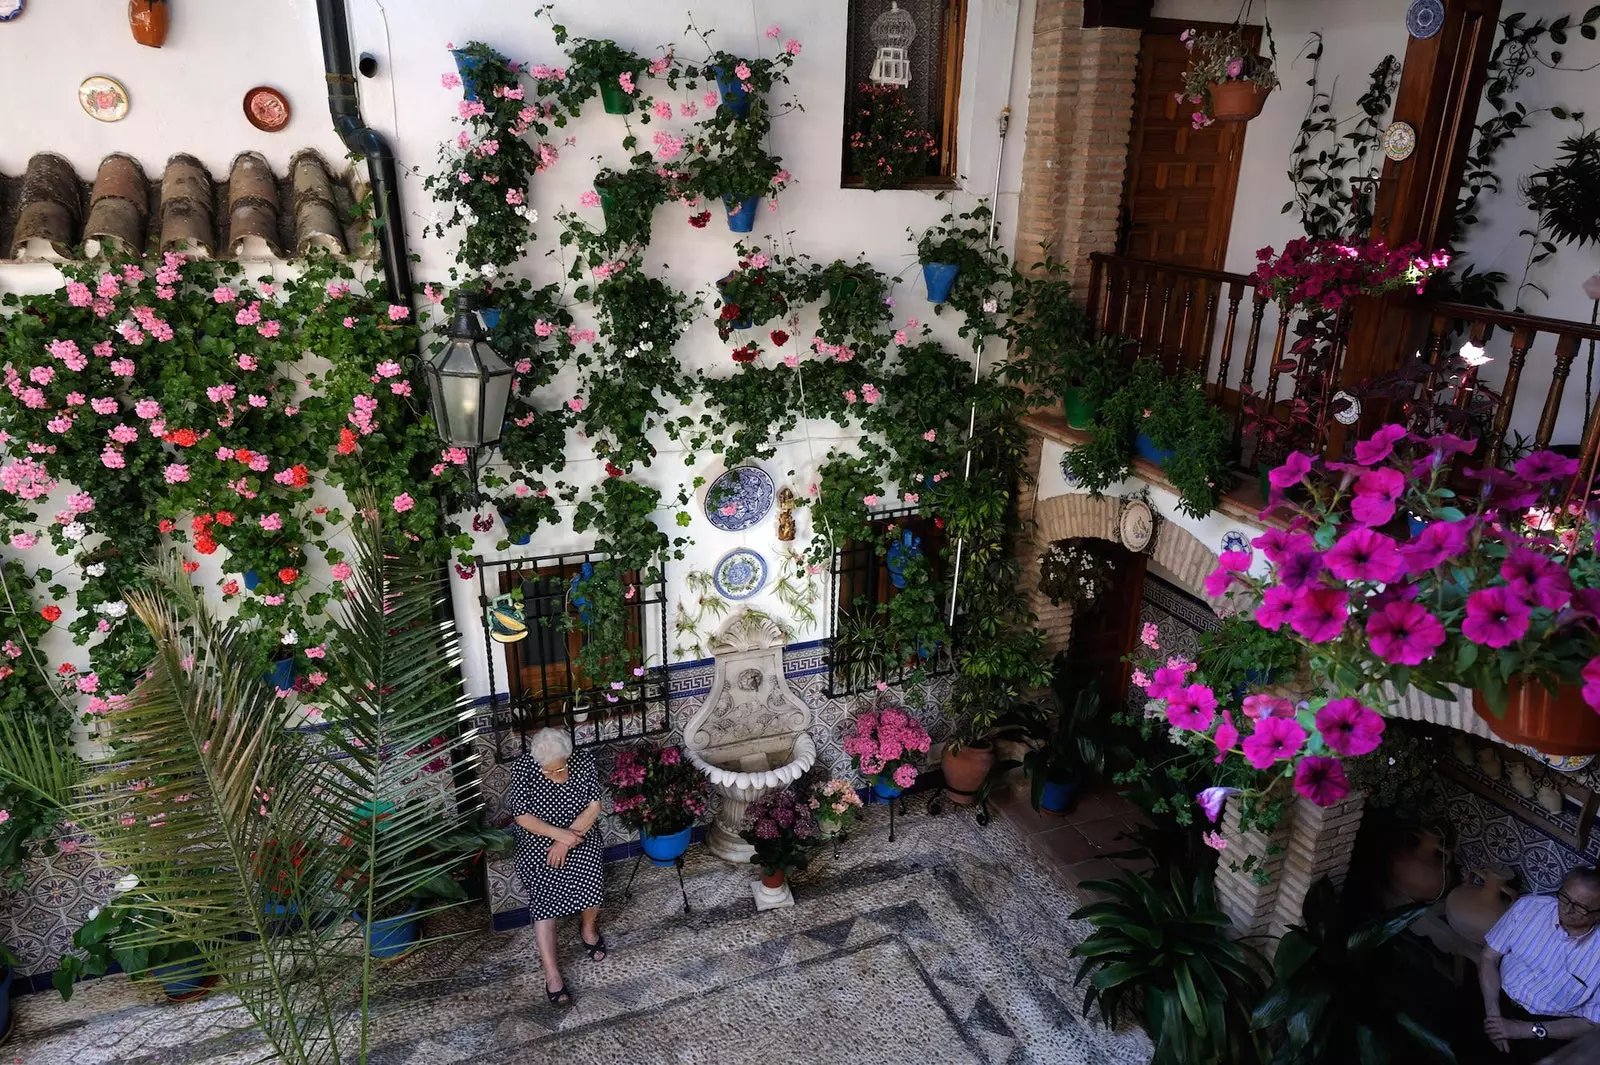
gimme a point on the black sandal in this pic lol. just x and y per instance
(561, 996)
(599, 947)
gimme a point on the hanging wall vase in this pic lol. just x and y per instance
(149, 20)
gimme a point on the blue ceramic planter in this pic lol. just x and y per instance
(251, 579)
(467, 66)
(1057, 797)
(734, 98)
(1146, 449)
(182, 979)
(741, 213)
(281, 675)
(575, 593)
(664, 850)
(392, 936)
(491, 318)
(1415, 525)
(519, 540)
(886, 791)
(900, 554)
(940, 279)
(282, 917)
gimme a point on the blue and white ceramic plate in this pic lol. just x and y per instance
(1236, 540)
(1424, 18)
(10, 9)
(739, 498)
(739, 574)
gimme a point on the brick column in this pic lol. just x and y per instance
(1080, 115)
(1309, 843)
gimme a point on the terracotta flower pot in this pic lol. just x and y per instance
(964, 772)
(1237, 101)
(1472, 909)
(1555, 724)
(774, 881)
(149, 19)
(1417, 871)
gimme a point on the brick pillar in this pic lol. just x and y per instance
(1309, 843)
(1054, 621)
(1080, 115)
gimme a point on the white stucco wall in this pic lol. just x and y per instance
(187, 97)
(1357, 34)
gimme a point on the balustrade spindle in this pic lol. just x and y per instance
(1279, 342)
(1566, 349)
(1235, 295)
(1097, 272)
(1161, 335)
(1247, 378)
(1127, 301)
(1521, 340)
(1183, 324)
(1144, 315)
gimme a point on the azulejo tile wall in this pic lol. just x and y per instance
(57, 894)
(805, 666)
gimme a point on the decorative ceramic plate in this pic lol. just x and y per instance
(739, 574)
(104, 98)
(739, 498)
(266, 109)
(10, 9)
(1566, 763)
(1348, 414)
(1424, 18)
(1399, 141)
(1236, 540)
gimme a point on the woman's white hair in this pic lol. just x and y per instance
(549, 745)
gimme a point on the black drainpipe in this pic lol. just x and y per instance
(363, 140)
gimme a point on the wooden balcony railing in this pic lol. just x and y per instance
(1221, 326)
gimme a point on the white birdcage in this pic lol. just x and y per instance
(893, 31)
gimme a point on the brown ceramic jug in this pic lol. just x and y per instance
(1473, 908)
(149, 20)
(1417, 870)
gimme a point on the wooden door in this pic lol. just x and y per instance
(1177, 200)
(1100, 639)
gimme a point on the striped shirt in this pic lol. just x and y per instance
(1545, 970)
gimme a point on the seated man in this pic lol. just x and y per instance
(1540, 970)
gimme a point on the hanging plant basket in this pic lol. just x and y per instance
(741, 213)
(734, 97)
(614, 100)
(1559, 723)
(1237, 101)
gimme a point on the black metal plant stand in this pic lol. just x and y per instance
(677, 864)
(980, 798)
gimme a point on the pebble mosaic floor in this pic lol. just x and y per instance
(948, 945)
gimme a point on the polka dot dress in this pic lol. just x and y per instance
(579, 883)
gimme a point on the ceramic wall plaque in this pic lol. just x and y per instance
(266, 108)
(10, 9)
(103, 98)
(1424, 18)
(739, 498)
(1399, 141)
(739, 574)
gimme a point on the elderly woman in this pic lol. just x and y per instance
(555, 798)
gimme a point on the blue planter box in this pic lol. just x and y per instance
(392, 936)
(886, 791)
(1146, 449)
(940, 278)
(741, 213)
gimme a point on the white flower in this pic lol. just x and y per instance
(646, 345)
(468, 215)
(990, 306)
(1473, 354)
(116, 608)
(489, 271)
(95, 569)
(290, 638)
(532, 215)
(75, 530)
(127, 884)
(94, 912)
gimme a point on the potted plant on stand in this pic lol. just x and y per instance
(882, 749)
(782, 827)
(958, 250)
(1066, 746)
(1226, 80)
(658, 792)
(1053, 354)
(836, 805)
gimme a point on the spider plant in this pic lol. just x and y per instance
(1164, 946)
(231, 819)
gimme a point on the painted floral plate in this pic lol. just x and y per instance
(739, 498)
(739, 574)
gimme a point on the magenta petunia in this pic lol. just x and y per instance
(1364, 555)
(1496, 617)
(1348, 728)
(1536, 578)
(1299, 570)
(1258, 706)
(1220, 579)
(1193, 707)
(1404, 633)
(1437, 544)
(1321, 780)
(1276, 739)
(1292, 472)
(1543, 466)
(1211, 801)
(1278, 544)
(1319, 615)
(1167, 680)
(1226, 736)
(1277, 607)
(1377, 491)
(1591, 683)
(1380, 445)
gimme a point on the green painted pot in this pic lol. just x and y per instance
(843, 289)
(614, 100)
(1080, 409)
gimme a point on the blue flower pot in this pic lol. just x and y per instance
(251, 579)
(1146, 449)
(282, 917)
(1415, 525)
(580, 600)
(899, 555)
(182, 979)
(392, 936)
(467, 66)
(734, 98)
(664, 850)
(741, 218)
(491, 318)
(281, 675)
(886, 791)
(519, 540)
(1057, 797)
(940, 279)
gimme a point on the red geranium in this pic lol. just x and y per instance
(300, 475)
(51, 613)
(190, 566)
(224, 517)
(779, 337)
(182, 437)
(612, 470)
(288, 575)
(205, 545)
(230, 588)
(200, 521)
(347, 442)
(699, 220)
(748, 353)
(166, 525)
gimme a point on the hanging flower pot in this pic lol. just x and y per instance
(184, 980)
(518, 540)
(1237, 101)
(843, 289)
(251, 579)
(614, 99)
(734, 98)
(467, 66)
(940, 278)
(744, 320)
(899, 555)
(1559, 723)
(490, 317)
(149, 20)
(1146, 449)
(741, 213)
(664, 851)
(1080, 410)
(281, 675)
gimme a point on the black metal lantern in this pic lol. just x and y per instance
(469, 384)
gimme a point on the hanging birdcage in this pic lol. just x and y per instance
(893, 31)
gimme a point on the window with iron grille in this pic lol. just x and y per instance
(543, 684)
(932, 60)
(872, 637)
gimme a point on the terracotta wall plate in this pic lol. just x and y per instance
(266, 108)
(103, 98)
(10, 9)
